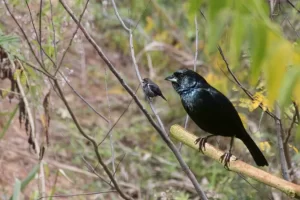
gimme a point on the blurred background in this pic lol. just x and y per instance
(258, 38)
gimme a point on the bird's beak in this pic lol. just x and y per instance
(171, 78)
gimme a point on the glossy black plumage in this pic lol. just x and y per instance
(211, 110)
(151, 89)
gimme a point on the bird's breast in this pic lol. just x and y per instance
(191, 101)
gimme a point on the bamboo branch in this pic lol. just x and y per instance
(291, 189)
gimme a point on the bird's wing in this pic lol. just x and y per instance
(155, 88)
(215, 114)
(226, 111)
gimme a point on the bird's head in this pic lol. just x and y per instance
(185, 80)
(145, 81)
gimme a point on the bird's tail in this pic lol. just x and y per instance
(162, 96)
(257, 155)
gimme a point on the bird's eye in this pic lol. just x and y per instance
(178, 74)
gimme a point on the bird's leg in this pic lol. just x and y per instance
(226, 156)
(149, 99)
(202, 142)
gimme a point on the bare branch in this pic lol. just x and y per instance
(81, 97)
(111, 142)
(40, 31)
(291, 128)
(279, 133)
(53, 31)
(91, 168)
(38, 39)
(113, 126)
(291, 4)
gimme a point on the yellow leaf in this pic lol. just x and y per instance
(162, 37)
(294, 148)
(235, 88)
(5, 93)
(23, 78)
(153, 138)
(259, 99)
(280, 56)
(264, 146)
(245, 103)
(149, 24)
(16, 74)
(43, 120)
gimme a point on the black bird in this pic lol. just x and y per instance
(151, 89)
(212, 112)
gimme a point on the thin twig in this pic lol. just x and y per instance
(279, 134)
(291, 4)
(91, 168)
(32, 21)
(81, 97)
(161, 130)
(73, 36)
(72, 88)
(38, 39)
(111, 142)
(40, 32)
(296, 111)
(37, 69)
(290, 129)
(53, 31)
(113, 126)
(143, 13)
(119, 164)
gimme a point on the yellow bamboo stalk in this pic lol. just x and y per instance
(291, 189)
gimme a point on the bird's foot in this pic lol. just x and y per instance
(225, 158)
(149, 99)
(201, 142)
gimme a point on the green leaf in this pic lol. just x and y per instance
(30, 176)
(8, 39)
(237, 38)
(215, 7)
(194, 7)
(215, 31)
(12, 114)
(17, 190)
(288, 84)
(258, 40)
(22, 185)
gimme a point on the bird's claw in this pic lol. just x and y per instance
(225, 158)
(201, 142)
